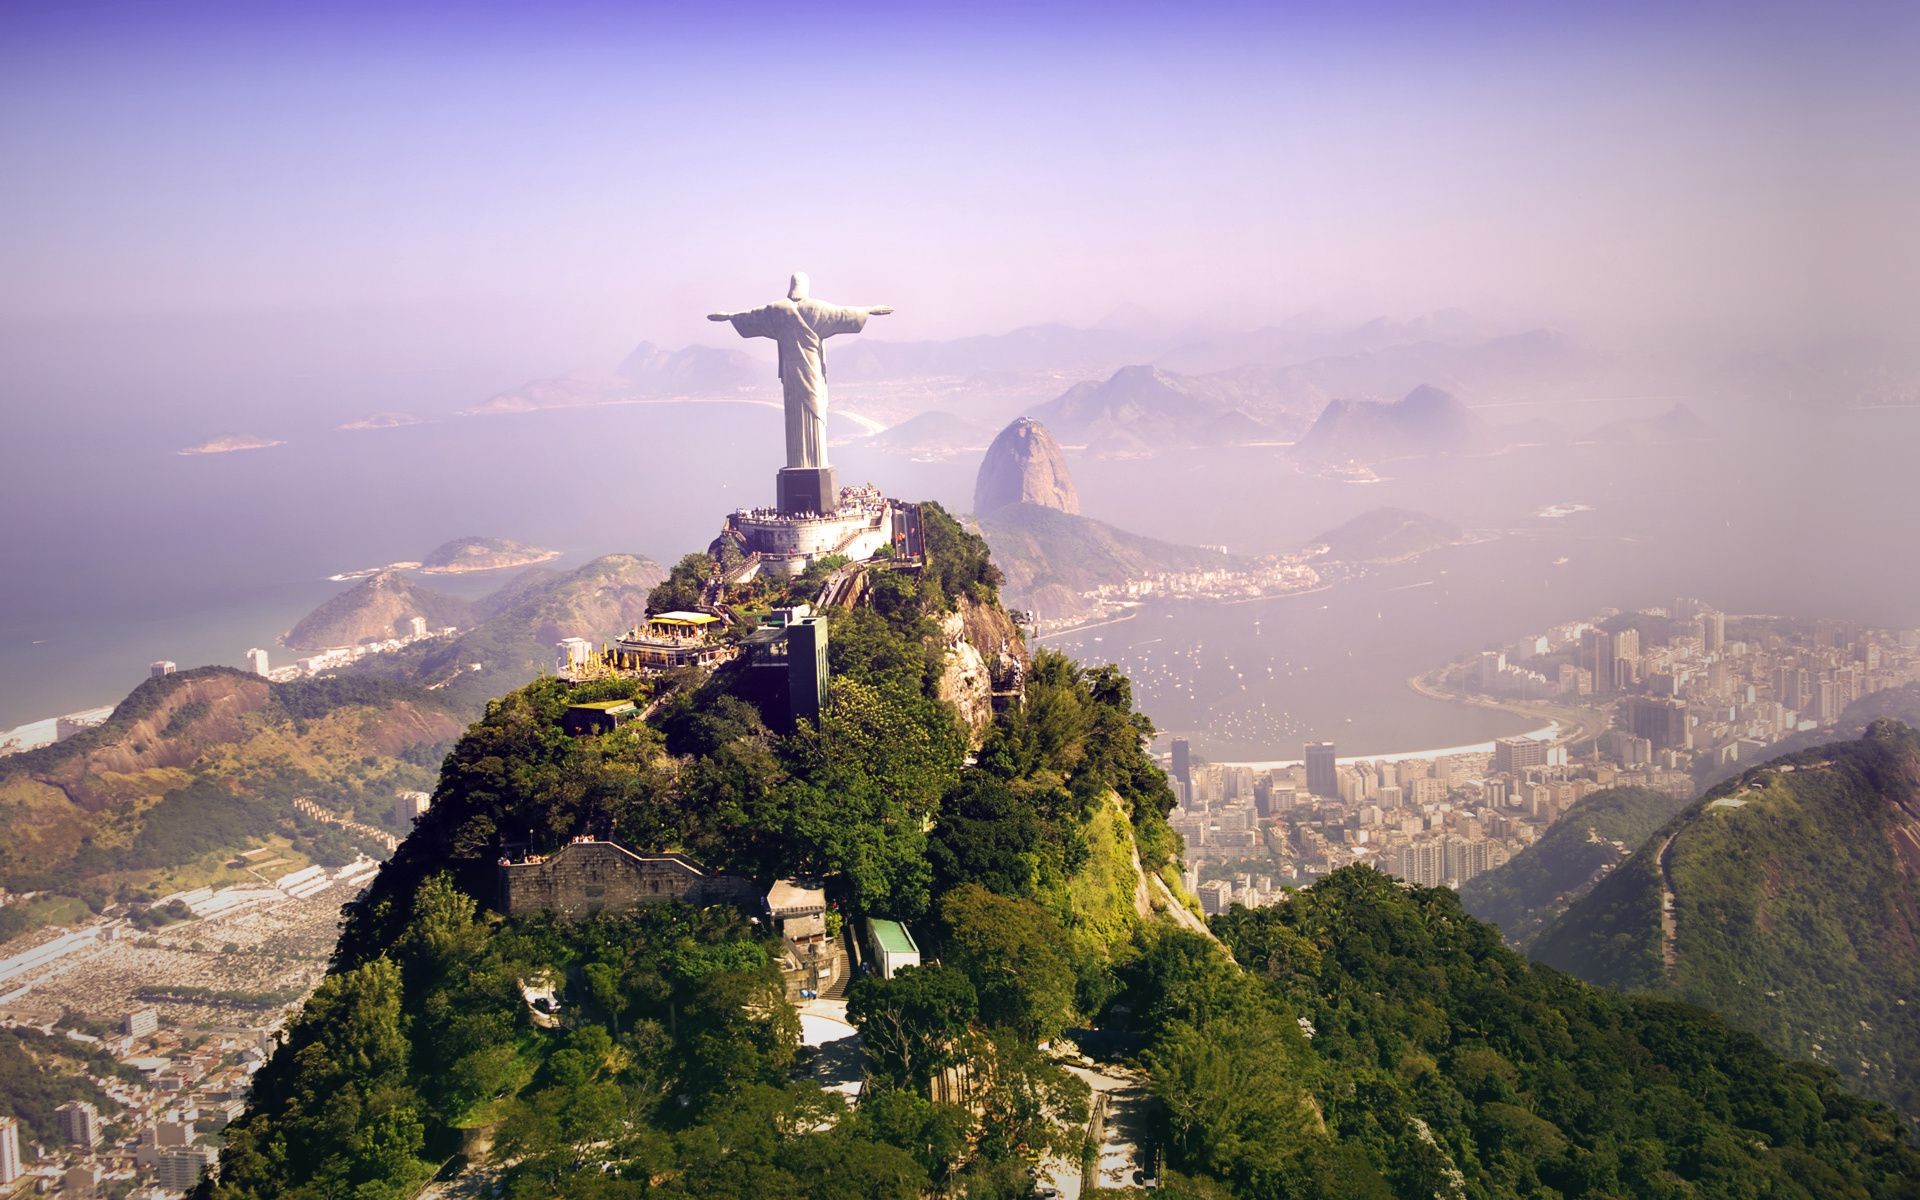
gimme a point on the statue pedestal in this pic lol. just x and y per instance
(802, 490)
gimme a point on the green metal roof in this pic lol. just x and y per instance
(609, 706)
(892, 936)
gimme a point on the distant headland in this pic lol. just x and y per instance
(228, 443)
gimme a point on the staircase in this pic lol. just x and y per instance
(843, 965)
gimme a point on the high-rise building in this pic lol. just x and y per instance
(1492, 663)
(1183, 761)
(1626, 659)
(1513, 755)
(416, 627)
(1713, 631)
(180, 1170)
(409, 807)
(140, 1023)
(1216, 897)
(1662, 720)
(162, 667)
(1322, 778)
(11, 1167)
(257, 661)
(79, 1123)
(1596, 657)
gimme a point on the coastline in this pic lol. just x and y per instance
(1547, 732)
(1223, 601)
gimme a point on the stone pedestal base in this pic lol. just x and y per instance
(802, 490)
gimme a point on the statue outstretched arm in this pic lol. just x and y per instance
(879, 310)
(719, 316)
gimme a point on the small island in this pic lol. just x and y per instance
(228, 443)
(383, 420)
(463, 555)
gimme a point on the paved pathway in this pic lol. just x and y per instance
(1669, 921)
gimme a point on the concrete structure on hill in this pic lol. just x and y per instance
(670, 640)
(597, 716)
(891, 945)
(574, 658)
(787, 664)
(589, 876)
(857, 524)
(799, 910)
(161, 667)
(257, 661)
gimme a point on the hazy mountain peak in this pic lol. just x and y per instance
(1024, 465)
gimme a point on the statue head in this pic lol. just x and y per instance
(798, 285)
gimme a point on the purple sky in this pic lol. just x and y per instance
(574, 177)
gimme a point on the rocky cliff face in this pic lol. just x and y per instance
(981, 641)
(1024, 465)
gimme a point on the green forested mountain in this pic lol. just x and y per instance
(1453, 1067)
(1795, 894)
(1370, 1040)
(1596, 835)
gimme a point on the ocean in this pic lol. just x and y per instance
(120, 551)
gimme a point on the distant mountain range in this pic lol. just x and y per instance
(1143, 409)
(1424, 421)
(936, 432)
(1145, 382)
(1787, 898)
(694, 370)
(1678, 424)
(1386, 535)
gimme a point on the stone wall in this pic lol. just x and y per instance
(583, 878)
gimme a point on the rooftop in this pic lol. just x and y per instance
(678, 617)
(789, 894)
(606, 706)
(892, 936)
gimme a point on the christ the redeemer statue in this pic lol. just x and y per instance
(800, 324)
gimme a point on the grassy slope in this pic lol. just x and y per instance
(69, 808)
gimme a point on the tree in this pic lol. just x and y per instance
(915, 1024)
(684, 585)
(1017, 956)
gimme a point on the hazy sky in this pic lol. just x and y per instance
(576, 176)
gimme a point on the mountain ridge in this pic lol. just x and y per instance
(1794, 898)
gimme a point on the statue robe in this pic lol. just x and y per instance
(800, 327)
